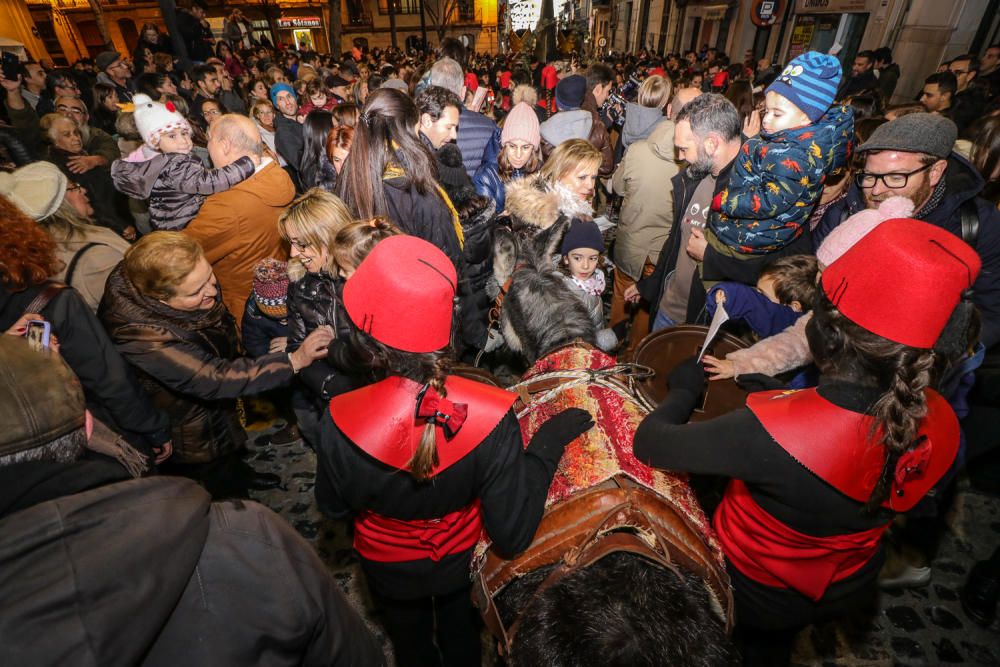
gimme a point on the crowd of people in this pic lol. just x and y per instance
(319, 230)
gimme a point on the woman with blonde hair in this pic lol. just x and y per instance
(310, 226)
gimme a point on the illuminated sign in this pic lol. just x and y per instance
(300, 22)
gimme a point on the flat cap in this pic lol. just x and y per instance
(106, 59)
(928, 133)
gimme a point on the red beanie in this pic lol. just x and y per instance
(402, 295)
(902, 281)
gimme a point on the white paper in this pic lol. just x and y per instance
(603, 223)
(835, 49)
(720, 318)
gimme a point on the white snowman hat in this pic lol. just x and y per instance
(153, 119)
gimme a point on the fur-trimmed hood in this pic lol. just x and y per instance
(535, 202)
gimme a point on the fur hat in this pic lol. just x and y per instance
(570, 92)
(809, 82)
(45, 384)
(38, 189)
(852, 230)
(402, 295)
(582, 234)
(153, 119)
(270, 287)
(903, 281)
(521, 124)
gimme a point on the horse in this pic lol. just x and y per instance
(624, 567)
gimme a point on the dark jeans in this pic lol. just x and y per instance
(441, 631)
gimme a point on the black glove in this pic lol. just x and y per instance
(689, 375)
(752, 382)
(552, 437)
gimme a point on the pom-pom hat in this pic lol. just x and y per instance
(270, 287)
(902, 281)
(153, 119)
(810, 82)
(402, 295)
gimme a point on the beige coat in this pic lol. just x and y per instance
(239, 227)
(643, 178)
(93, 264)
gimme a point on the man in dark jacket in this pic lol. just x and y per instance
(478, 136)
(862, 77)
(195, 31)
(288, 139)
(888, 73)
(144, 571)
(914, 155)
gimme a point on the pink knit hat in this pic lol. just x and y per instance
(856, 227)
(521, 123)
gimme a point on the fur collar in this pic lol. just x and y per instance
(538, 203)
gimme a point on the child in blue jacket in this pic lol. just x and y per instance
(778, 176)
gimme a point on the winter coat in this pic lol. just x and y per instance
(888, 77)
(855, 84)
(775, 181)
(640, 121)
(258, 329)
(478, 140)
(644, 179)
(488, 183)
(112, 391)
(962, 184)
(606, 339)
(92, 253)
(110, 207)
(239, 227)
(175, 184)
(124, 91)
(288, 140)
(226, 583)
(535, 204)
(197, 37)
(579, 124)
(189, 363)
(427, 216)
(784, 351)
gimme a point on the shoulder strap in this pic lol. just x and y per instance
(42, 299)
(71, 269)
(970, 222)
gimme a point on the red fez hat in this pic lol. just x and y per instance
(902, 281)
(402, 295)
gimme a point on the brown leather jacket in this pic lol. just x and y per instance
(190, 363)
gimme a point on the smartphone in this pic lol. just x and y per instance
(38, 333)
(11, 66)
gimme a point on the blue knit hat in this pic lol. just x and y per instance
(277, 88)
(810, 82)
(582, 234)
(570, 92)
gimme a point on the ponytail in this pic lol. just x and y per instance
(426, 456)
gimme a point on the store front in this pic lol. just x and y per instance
(829, 26)
(304, 33)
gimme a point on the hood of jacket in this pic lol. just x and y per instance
(123, 305)
(639, 122)
(567, 125)
(533, 201)
(135, 179)
(962, 182)
(89, 546)
(661, 141)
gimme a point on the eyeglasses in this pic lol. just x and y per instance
(893, 181)
(301, 246)
(62, 108)
(211, 112)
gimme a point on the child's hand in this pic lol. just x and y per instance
(751, 124)
(719, 369)
(720, 297)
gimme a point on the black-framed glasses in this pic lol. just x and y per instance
(892, 181)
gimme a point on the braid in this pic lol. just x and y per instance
(426, 456)
(898, 413)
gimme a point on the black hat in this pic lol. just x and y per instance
(582, 234)
(570, 92)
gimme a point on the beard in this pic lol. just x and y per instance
(919, 196)
(702, 165)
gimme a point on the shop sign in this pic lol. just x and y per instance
(716, 13)
(765, 13)
(807, 6)
(300, 22)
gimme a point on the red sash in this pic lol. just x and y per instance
(380, 419)
(386, 540)
(834, 444)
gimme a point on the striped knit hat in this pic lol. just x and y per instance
(270, 287)
(810, 82)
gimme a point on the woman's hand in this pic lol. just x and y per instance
(632, 294)
(719, 369)
(81, 164)
(277, 344)
(20, 327)
(312, 348)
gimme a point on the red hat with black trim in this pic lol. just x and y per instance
(902, 281)
(402, 295)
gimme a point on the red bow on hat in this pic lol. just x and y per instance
(912, 464)
(440, 411)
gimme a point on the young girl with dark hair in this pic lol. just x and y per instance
(423, 460)
(390, 173)
(315, 169)
(818, 474)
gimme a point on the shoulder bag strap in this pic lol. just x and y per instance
(42, 299)
(71, 269)
(970, 222)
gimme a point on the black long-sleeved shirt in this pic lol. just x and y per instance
(511, 483)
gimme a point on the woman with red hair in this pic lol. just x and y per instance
(27, 259)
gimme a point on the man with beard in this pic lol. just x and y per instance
(707, 137)
(912, 157)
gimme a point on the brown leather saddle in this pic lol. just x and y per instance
(662, 350)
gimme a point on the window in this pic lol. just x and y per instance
(399, 6)
(466, 10)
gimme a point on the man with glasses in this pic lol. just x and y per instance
(115, 72)
(969, 101)
(912, 157)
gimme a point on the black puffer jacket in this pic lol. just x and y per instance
(189, 363)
